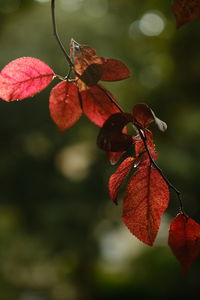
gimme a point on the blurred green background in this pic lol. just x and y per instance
(61, 238)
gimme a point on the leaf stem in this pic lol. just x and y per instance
(178, 193)
(71, 65)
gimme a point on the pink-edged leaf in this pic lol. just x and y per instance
(114, 70)
(184, 240)
(144, 116)
(146, 199)
(112, 136)
(64, 105)
(185, 11)
(97, 105)
(24, 77)
(114, 157)
(118, 177)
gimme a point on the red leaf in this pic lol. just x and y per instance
(114, 157)
(184, 240)
(24, 77)
(146, 199)
(113, 70)
(185, 11)
(118, 177)
(87, 65)
(112, 137)
(140, 150)
(144, 116)
(64, 105)
(96, 104)
(92, 68)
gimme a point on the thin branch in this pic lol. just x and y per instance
(178, 193)
(57, 37)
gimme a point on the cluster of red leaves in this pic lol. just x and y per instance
(185, 11)
(24, 77)
(147, 193)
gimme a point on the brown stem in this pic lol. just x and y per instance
(71, 65)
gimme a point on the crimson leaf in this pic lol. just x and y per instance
(185, 11)
(113, 70)
(146, 199)
(184, 240)
(97, 105)
(24, 77)
(118, 177)
(64, 105)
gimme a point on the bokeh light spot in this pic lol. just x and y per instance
(74, 161)
(152, 24)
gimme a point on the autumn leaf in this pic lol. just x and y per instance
(97, 105)
(91, 68)
(146, 199)
(118, 177)
(184, 240)
(24, 77)
(114, 157)
(143, 116)
(114, 70)
(185, 11)
(111, 136)
(64, 105)
(67, 104)
(140, 149)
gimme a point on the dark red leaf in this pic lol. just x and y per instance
(184, 240)
(113, 70)
(118, 177)
(97, 105)
(144, 116)
(24, 77)
(146, 199)
(92, 74)
(185, 11)
(111, 136)
(64, 105)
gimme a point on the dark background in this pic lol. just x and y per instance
(61, 238)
